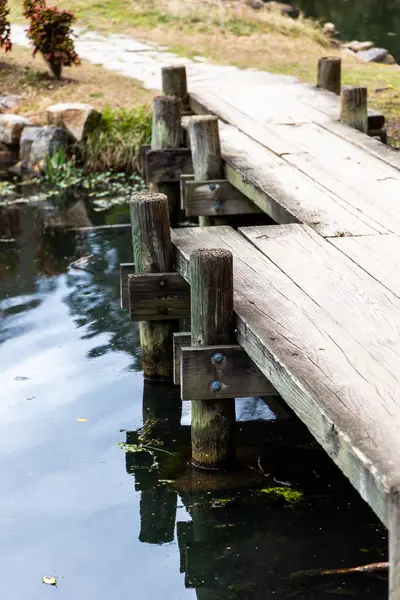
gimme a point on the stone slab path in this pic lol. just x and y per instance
(143, 61)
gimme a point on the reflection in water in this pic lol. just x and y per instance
(67, 351)
(248, 538)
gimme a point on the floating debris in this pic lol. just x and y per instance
(50, 581)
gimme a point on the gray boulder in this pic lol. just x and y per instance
(39, 142)
(77, 118)
(377, 55)
(11, 127)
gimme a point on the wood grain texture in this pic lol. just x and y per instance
(152, 251)
(237, 374)
(377, 255)
(352, 176)
(326, 335)
(180, 340)
(215, 197)
(174, 83)
(161, 166)
(354, 110)
(284, 192)
(211, 287)
(125, 269)
(166, 126)
(205, 146)
(330, 73)
(158, 296)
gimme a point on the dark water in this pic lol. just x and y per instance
(75, 506)
(374, 20)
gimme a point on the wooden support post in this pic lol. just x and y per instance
(167, 129)
(174, 83)
(354, 110)
(152, 252)
(211, 278)
(206, 152)
(330, 73)
(167, 134)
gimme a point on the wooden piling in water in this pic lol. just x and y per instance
(211, 277)
(167, 134)
(354, 109)
(330, 73)
(206, 153)
(152, 252)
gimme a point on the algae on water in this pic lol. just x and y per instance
(288, 494)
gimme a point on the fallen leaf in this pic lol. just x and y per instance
(49, 580)
(81, 420)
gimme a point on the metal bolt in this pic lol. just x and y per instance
(217, 206)
(216, 386)
(162, 283)
(218, 358)
(212, 187)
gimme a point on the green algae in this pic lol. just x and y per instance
(288, 494)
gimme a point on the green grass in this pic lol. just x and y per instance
(116, 140)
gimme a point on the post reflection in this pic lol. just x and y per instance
(254, 534)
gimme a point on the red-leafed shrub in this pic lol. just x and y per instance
(5, 30)
(50, 33)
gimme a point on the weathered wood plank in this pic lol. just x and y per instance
(273, 96)
(377, 255)
(158, 297)
(215, 197)
(359, 174)
(180, 340)
(286, 194)
(369, 186)
(326, 335)
(161, 166)
(235, 373)
(125, 269)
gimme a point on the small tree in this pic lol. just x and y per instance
(50, 33)
(5, 29)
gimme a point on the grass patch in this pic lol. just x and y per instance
(24, 75)
(116, 140)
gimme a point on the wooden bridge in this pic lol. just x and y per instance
(316, 287)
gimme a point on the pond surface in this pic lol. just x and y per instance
(75, 506)
(374, 20)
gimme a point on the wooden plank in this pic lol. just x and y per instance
(179, 340)
(158, 296)
(236, 374)
(215, 197)
(374, 147)
(286, 194)
(273, 96)
(352, 172)
(167, 165)
(329, 103)
(377, 255)
(369, 186)
(326, 335)
(183, 180)
(125, 269)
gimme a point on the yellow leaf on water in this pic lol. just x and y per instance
(81, 420)
(49, 580)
